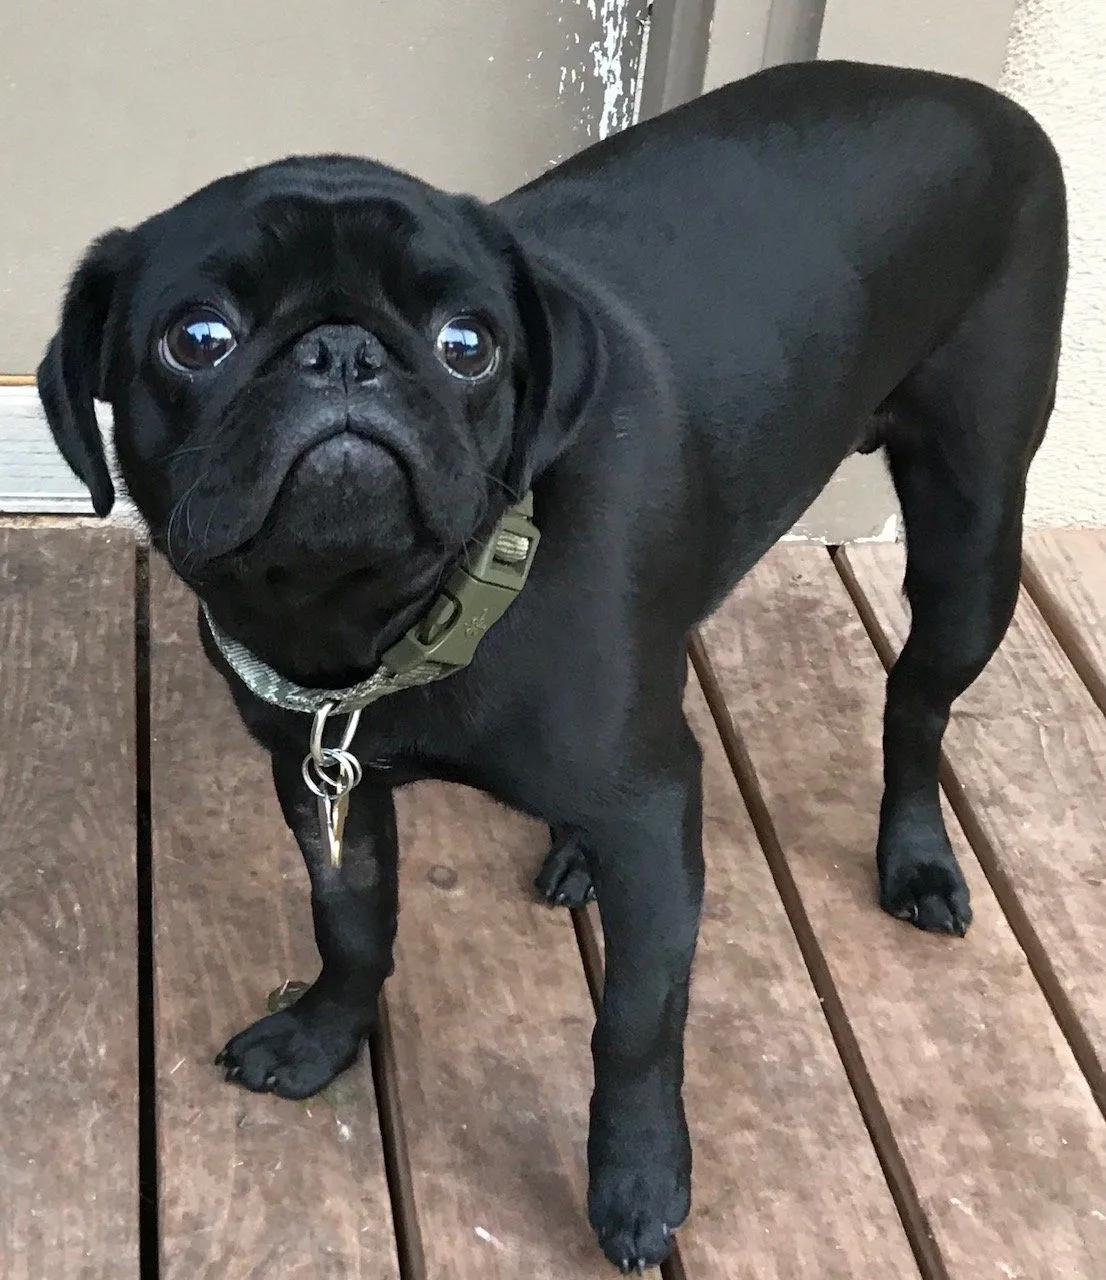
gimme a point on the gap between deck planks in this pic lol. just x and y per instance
(1004, 1147)
(68, 1063)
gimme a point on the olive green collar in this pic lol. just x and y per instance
(442, 643)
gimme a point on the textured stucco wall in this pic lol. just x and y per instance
(1056, 66)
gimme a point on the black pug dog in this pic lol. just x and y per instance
(338, 390)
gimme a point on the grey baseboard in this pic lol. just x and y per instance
(34, 479)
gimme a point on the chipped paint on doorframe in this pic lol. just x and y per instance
(602, 60)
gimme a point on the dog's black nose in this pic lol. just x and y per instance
(342, 353)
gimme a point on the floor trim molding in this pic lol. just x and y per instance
(34, 478)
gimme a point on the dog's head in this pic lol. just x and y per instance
(325, 376)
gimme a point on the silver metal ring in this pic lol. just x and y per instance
(321, 783)
(318, 727)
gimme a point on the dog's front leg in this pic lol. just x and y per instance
(299, 1050)
(648, 871)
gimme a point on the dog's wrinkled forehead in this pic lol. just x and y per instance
(340, 234)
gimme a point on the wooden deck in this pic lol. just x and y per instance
(866, 1101)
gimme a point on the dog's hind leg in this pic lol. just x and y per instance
(965, 425)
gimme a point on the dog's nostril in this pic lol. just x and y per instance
(366, 360)
(315, 356)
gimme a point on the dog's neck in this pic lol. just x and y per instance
(441, 643)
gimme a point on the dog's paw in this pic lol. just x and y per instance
(634, 1213)
(929, 892)
(564, 879)
(294, 1053)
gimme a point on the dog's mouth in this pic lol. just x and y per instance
(350, 444)
(343, 484)
(343, 542)
(344, 510)
(322, 501)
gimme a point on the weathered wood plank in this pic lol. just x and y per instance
(777, 1131)
(69, 1055)
(494, 1073)
(491, 1022)
(251, 1185)
(1065, 571)
(1026, 747)
(995, 1124)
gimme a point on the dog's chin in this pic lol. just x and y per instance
(345, 509)
(325, 639)
(321, 617)
(346, 505)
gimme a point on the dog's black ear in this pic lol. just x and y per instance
(565, 357)
(74, 368)
(565, 364)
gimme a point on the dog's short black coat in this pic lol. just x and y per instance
(697, 320)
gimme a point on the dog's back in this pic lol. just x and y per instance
(814, 191)
(804, 239)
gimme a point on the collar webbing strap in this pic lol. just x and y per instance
(443, 642)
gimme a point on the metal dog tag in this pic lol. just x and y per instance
(331, 773)
(332, 814)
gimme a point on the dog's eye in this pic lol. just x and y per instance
(198, 340)
(467, 349)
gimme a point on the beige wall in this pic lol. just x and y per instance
(1053, 60)
(954, 36)
(110, 111)
(1056, 66)
(483, 95)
